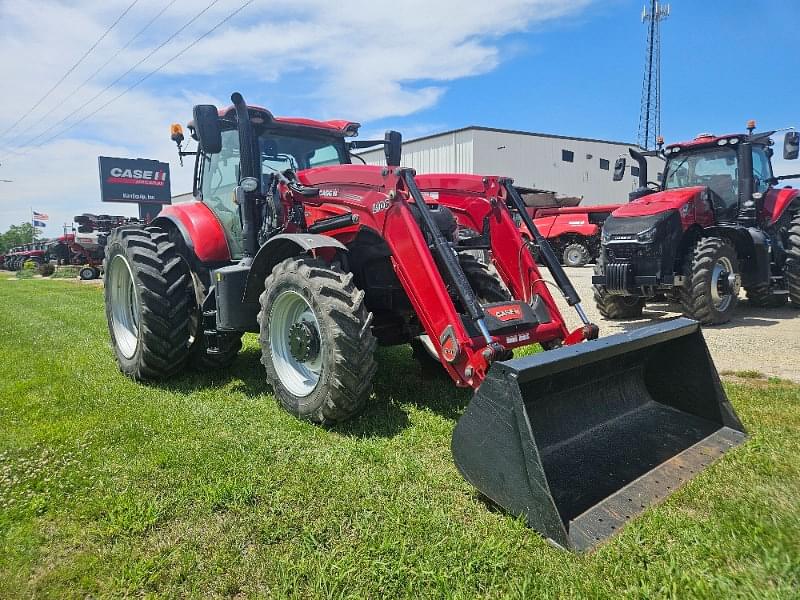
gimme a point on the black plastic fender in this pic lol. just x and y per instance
(752, 246)
(279, 248)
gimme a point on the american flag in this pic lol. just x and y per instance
(40, 216)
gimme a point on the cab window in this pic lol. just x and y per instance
(220, 178)
(762, 170)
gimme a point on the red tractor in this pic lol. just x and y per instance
(572, 231)
(324, 260)
(715, 223)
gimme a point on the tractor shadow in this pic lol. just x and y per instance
(745, 315)
(400, 381)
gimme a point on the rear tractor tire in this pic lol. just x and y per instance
(762, 296)
(712, 285)
(316, 342)
(576, 255)
(792, 272)
(147, 306)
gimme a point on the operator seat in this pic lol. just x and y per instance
(724, 188)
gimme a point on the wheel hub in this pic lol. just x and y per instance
(303, 341)
(725, 284)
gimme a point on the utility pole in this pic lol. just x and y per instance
(650, 113)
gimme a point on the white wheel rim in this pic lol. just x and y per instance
(299, 377)
(723, 271)
(124, 306)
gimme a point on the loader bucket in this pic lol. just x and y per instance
(581, 439)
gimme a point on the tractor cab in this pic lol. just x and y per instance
(286, 146)
(736, 169)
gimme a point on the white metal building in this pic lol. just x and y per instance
(570, 166)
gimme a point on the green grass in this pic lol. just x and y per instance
(203, 487)
(66, 272)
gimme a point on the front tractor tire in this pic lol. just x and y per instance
(316, 342)
(576, 254)
(615, 307)
(147, 306)
(711, 291)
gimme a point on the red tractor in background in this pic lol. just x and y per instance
(324, 260)
(572, 231)
(715, 223)
(85, 246)
(33, 252)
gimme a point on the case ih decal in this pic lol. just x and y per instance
(509, 312)
(134, 180)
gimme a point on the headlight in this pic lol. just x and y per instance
(646, 236)
(604, 236)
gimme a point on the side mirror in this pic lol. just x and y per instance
(207, 127)
(393, 148)
(619, 168)
(791, 145)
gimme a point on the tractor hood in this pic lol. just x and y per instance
(653, 204)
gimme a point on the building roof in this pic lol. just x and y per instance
(518, 132)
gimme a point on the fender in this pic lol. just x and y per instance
(752, 248)
(279, 248)
(776, 202)
(200, 229)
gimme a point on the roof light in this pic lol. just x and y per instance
(660, 141)
(722, 142)
(751, 124)
(733, 141)
(704, 135)
(352, 129)
(176, 132)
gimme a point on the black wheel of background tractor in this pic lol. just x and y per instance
(147, 306)
(87, 273)
(576, 255)
(792, 269)
(711, 292)
(316, 343)
(762, 296)
(613, 306)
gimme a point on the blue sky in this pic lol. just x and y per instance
(571, 67)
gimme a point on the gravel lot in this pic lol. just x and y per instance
(757, 339)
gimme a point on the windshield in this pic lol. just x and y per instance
(703, 167)
(280, 152)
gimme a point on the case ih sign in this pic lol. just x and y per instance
(136, 180)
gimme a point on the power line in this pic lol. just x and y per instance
(94, 74)
(70, 70)
(118, 79)
(144, 77)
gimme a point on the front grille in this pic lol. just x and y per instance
(618, 275)
(629, 251)
(621, 251)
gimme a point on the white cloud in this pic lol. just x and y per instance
(358, 59)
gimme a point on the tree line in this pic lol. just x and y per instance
(17, 235)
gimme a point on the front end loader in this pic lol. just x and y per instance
(325, 259)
